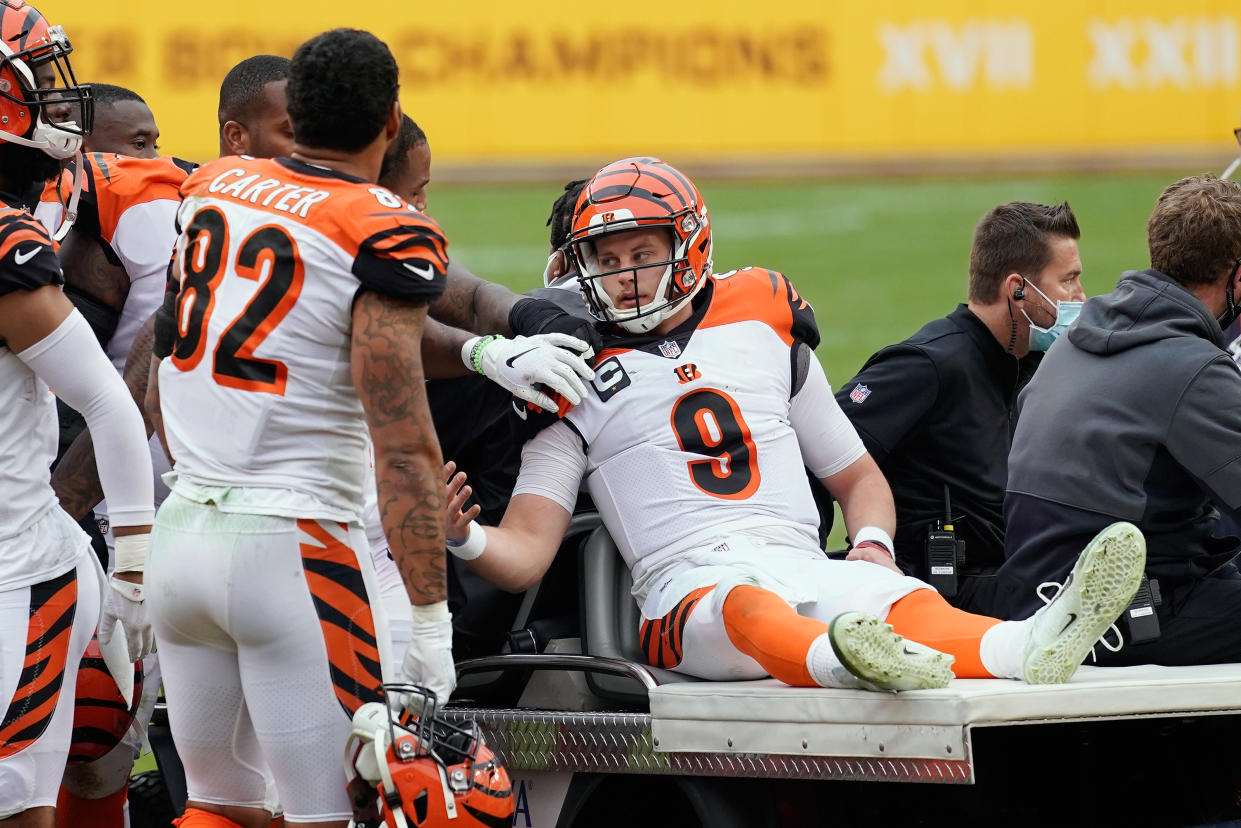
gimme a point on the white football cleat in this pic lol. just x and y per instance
(879, 659)
(1101, 585)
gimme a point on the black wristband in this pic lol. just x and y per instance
(165, 326)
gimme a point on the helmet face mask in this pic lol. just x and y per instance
(30, 48)
(433, 773)
(640, 193)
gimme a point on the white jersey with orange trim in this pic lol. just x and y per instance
(257, 392)
(27, 420)
(687, 438)
(129, 205)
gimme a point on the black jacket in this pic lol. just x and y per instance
(1127, 419)
(936, 410)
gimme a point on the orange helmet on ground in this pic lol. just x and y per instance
(636, 193)
(52, 115)
(429, 773)
(100, 715)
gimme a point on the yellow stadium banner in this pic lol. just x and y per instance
(495, 81)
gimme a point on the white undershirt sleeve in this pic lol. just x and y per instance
(553, 465)
(71, 362)
(829, 443)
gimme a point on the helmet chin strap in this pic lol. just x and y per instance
(71, 209)
(69, 148)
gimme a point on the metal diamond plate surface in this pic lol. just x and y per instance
(621, 743)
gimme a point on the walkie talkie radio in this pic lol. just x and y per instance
(941, 552)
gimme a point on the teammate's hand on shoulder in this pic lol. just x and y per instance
(875, 554)
(428, 658)
(456, 521)
(125, 604)
(523, 364)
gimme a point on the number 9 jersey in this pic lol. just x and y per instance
(257, 392)
(703, 432)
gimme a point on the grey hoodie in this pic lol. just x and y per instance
(1135, 414)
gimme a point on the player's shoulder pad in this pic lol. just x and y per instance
(114, 183)
(755, 293)
(27, 253)
(400, 251)
(197, 180)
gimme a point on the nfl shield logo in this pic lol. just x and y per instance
(670, 349)
(859, 393)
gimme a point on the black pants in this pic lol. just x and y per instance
(1199, 621)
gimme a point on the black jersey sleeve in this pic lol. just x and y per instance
(27, 255)
(407, 261)
(889, 396)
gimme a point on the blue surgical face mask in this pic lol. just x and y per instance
(1041, 338)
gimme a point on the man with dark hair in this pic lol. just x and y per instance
(278, 491)
(253, 117)
(406, 169)
(1128, 418)
(124, 124)
(937, 410)
(558, 271)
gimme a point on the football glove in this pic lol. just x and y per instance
(531, 366)
(428, 658)
(124, 604)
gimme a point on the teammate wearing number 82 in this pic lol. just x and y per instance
(707, 402)
(302, 297)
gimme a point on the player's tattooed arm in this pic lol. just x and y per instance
(387, 371)
(88, 271)
(473, 304)
(76, 479)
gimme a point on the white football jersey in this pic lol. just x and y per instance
(257, 392)
(687, 437)
(27, 417)
(129, 205)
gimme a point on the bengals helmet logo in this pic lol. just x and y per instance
(687, 373)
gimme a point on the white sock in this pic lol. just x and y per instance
(1003, 648)
(824, 667)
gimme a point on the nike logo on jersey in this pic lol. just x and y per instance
(426, 271)
(21, 257)
(509, 362)
(519, 407)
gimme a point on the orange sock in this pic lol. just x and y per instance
(76, 812)
(924, 616)
(196, 818)
(762, 625)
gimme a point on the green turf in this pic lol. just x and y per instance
(876, 258)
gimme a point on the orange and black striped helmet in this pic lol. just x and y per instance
(100, 714)
(41, 103)
(429, 772)
(636, 194)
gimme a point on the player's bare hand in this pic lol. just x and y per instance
(456, 494)
(874, 555)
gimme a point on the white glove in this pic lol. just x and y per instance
(555, 360)
(428, 658)
(124, 604)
